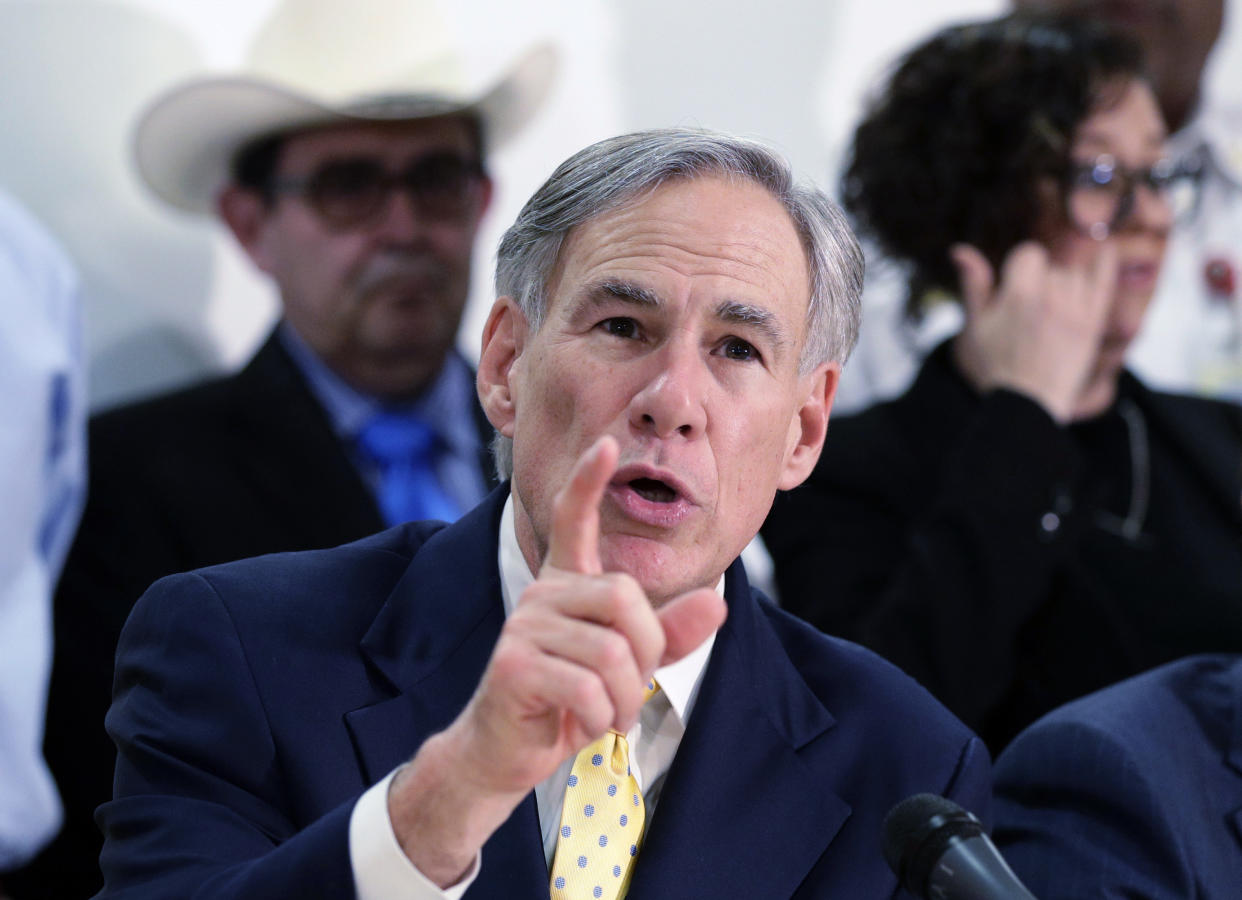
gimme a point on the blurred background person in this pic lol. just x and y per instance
(349, 161)
(1134, 791)
(1028, 522)
(1191, 340)
(42, 484)
(1192, 337)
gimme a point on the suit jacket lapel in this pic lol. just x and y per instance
(432, 638)
(740, 814)
(431, 642)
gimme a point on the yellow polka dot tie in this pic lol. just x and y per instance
(601, 822)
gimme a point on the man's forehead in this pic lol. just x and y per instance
(711, 224)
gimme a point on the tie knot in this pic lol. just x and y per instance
(650, 690)
(394, 438)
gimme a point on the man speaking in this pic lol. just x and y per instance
(542, 698)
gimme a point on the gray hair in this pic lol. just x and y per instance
(619, 170)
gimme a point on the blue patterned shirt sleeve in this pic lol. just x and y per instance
(43, 484)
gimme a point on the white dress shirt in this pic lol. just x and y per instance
(43, 484)
(383, 872)
(1191, 340)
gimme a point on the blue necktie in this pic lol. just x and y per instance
(404, 449)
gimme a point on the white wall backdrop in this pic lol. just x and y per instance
(169, 298)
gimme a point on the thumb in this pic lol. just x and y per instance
(975, 277)
(688, 620)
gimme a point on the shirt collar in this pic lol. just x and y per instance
(679, 681)
(349, 409)
(1216, 133)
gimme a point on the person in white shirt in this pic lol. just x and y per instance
(42, 483)
(423, 713)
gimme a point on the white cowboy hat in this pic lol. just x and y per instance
(319, 62)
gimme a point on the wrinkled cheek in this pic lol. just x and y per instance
(546, 410)
(558, 401)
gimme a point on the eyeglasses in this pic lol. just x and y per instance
(347, 193)
(1099, 195)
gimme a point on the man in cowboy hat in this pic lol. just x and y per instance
(349, 164)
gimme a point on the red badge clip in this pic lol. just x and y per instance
(1220, 277)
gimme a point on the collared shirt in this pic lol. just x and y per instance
(382, 870)
(446, 405)
(43, 483)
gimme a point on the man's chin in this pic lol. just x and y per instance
(397, 372)
(662, 570)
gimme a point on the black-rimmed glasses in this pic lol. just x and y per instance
(347, 193)
(1099, 195)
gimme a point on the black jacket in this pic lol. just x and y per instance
(972, 541)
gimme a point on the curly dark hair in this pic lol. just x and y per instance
(970, 122)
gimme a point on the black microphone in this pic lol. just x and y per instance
(938, 851)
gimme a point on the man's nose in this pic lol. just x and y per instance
(671, 402)
(399, 220)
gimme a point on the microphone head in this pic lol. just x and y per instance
(917, 831)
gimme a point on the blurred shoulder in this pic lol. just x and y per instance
(331, 591)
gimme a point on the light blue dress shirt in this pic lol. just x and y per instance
(447, 405)
(42, 488)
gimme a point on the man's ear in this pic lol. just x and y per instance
(245, 213)
(810, 425)
(504, 339)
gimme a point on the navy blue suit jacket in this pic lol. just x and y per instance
(1132, 792)
(256, 701)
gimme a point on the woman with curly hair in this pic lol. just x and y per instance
(1028, 522)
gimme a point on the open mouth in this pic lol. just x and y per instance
(1137, 275)
(650, 495)
(653, 490)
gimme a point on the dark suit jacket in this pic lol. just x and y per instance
(233, 468)
(255, 702)
(1133, 792)
(961, 537)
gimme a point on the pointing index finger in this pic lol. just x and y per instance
(573, 545)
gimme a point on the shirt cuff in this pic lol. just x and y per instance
(382, 871)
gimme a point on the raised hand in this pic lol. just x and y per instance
(1039, 330)
(570, 663)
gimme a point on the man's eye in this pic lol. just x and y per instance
(620, 327)
(736, 348)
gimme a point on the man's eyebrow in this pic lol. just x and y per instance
(753, 317)
(612, 289)
(729, 311)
